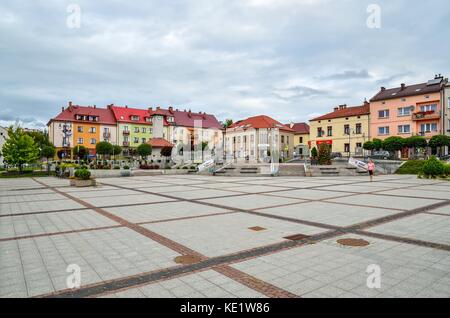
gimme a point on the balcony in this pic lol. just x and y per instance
(126, 144)
(66, 144)
(106, 135)
(126, 132)
(429, 115)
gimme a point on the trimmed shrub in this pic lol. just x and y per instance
(433, 168)
(126, 168)
(447, 170)
(324, 154)
(83, 174)
(411, 167)
(116, 167)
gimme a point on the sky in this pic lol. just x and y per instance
(289, 59)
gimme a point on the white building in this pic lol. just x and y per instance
(259, 139)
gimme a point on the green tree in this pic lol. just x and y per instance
(227, 123)
(437, 142)
(394, 144)
(117, 150)
(144, 150)
(48, 152)
(314, 152)
(166, 152)
(377, 144)
(415, 142)
(20, 148)
(103, 148)
(369, 145)
(324, 154)
(80, 152)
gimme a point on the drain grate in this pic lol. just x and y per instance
(257, 228)
(187, 259)
(296, 237)
(353, 242)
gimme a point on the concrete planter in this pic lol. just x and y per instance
(82, 183)
(125, 173)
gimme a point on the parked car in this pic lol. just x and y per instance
(335, 155)
(381, 155)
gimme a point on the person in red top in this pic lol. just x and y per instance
(371, 169)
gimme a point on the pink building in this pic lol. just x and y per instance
(408, 110)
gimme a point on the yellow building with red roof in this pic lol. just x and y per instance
(346, 129)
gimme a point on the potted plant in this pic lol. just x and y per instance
(82, 178)
(126, 172)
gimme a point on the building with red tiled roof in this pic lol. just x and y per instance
(259, 139)
(129, 127)
(345, 129)
(83, 126)
(301, 139)
(410, 110)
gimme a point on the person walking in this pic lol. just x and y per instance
(371, 169)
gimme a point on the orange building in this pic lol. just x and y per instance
(408, 110)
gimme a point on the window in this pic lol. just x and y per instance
(383, 130)
(282, 139)
(135, 118)
(300, 140)
(126, 139)
(358, 129)
(80, 141)
(136, 129)
(93, 141)
(148, 119)
(92, 130)
(329, 131)
(426, 128)
(170, 119)
(136, 140)
(287, 140)
(383, 113)
(144, 140)
(125, 128)
(358, 145)
(404, 111)
(252, 138)
(449, 102)
(428, 108)
(80, 129)
(319, 132)
(346, 147)
(346, 129)
(150, 130)
(144, 130)
(404, 129)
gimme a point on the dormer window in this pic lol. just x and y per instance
(170, 119)
(148, 119)
(134, 118)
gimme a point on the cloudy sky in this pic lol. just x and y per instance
(291, 59)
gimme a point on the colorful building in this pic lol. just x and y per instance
(255, 139)
(301, 139)
(408, 110)
(346, 129)
(81, 126)
(130, 127)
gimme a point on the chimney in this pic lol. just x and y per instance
(291, 125)
(344, 106)
(336, 109)
(150, 109)
(158, 108)
(62, 108)
(403, 86)
(95, 106)
(171, 109)
(126, 106)
(70, 104)
(383, 88)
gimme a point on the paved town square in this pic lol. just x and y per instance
(201, 236)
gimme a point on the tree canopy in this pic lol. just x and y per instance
(103, 148)
(19, 148)
(80, 151)
(144, 150)
(166, 152)
(393, 144)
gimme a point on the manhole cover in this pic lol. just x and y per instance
(353, 242)
(296, 237)
(187, 259)
(257, 228)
